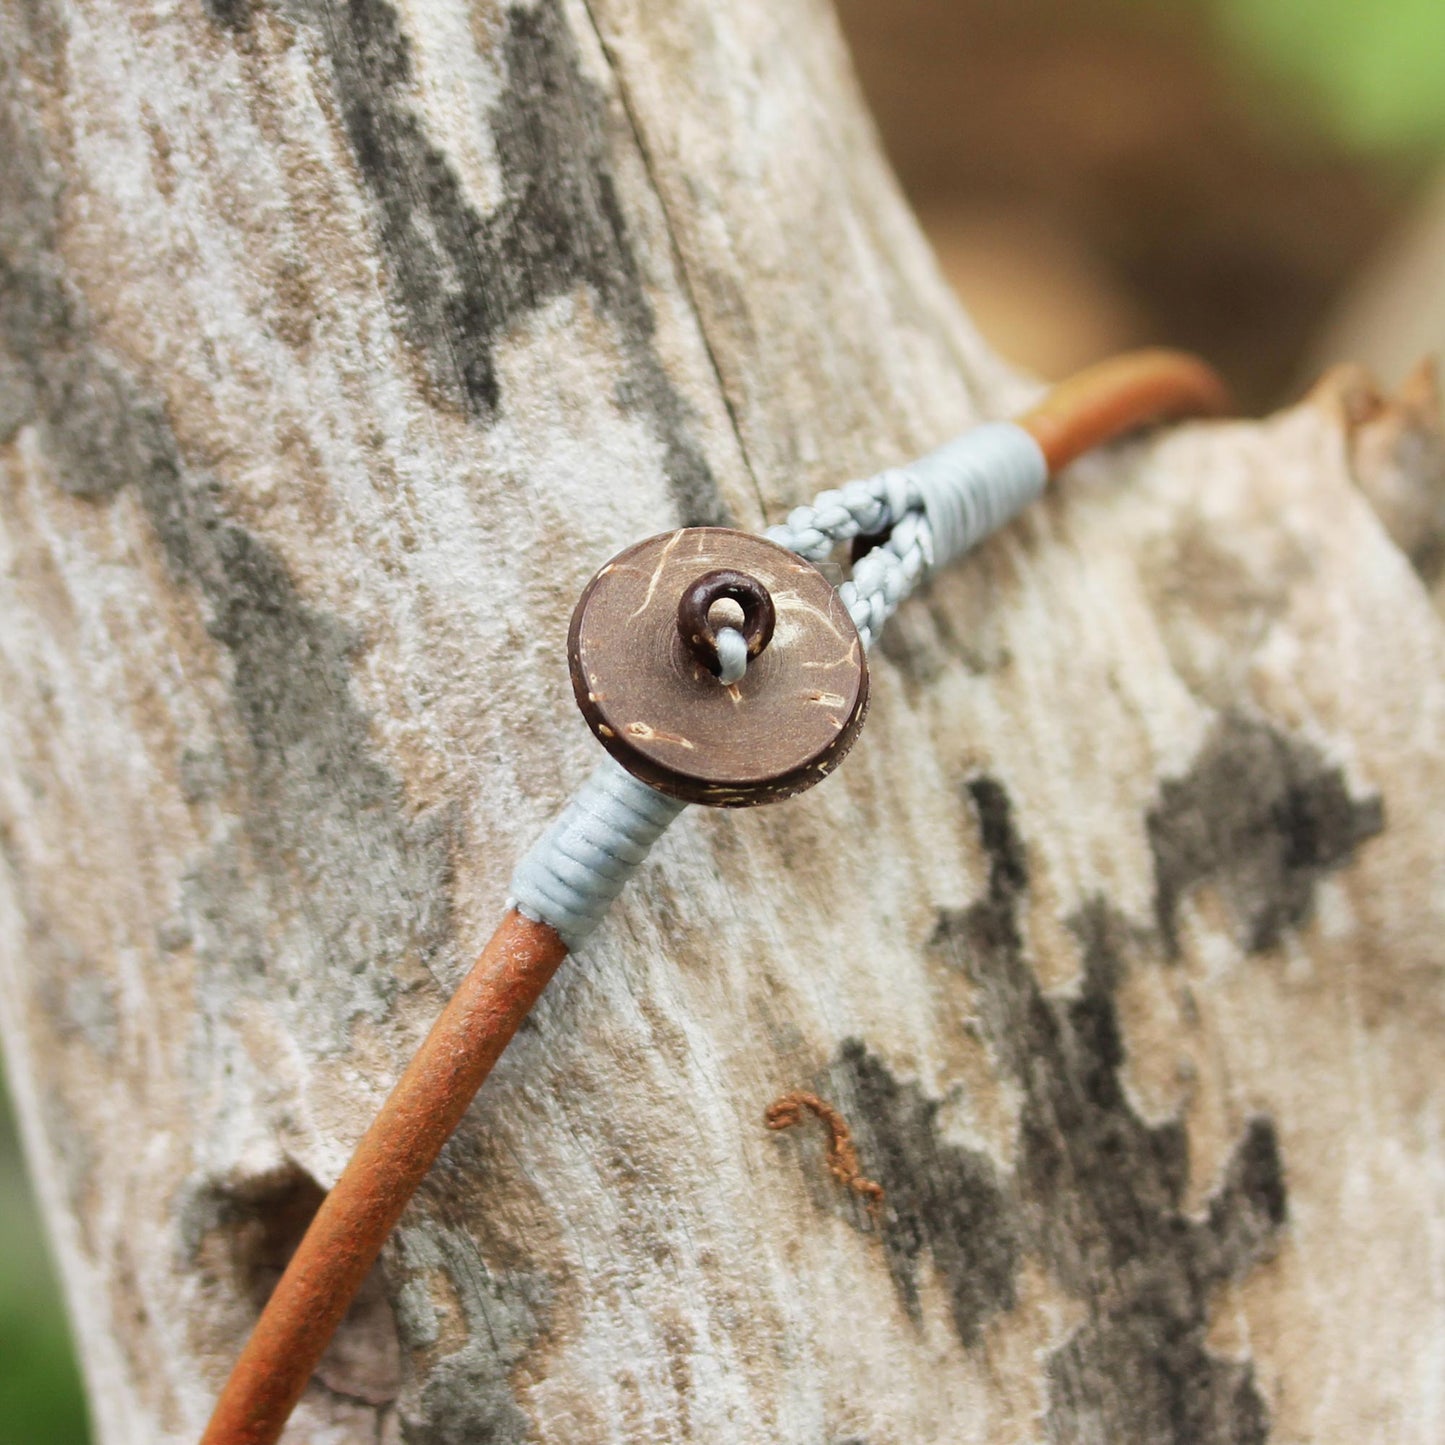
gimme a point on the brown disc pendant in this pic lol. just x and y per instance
(644, 660)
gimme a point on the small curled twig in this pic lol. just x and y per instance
(843, 1162)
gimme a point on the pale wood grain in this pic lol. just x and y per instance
(340, 347)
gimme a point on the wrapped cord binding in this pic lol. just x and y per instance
(581, 863)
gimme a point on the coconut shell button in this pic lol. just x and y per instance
(644, 660)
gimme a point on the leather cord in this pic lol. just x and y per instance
(1119, 395)
(391, 1160)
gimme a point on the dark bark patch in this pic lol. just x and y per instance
(325, 888)
(941, 1200)
(462, 280)
(459, 1390)
(240, 1237)
(1147, 1377)
(1008, 869)
(325, 843)
(93, 423)
(1096, 1195)
(229, 14)
(1097, 1190)
(1261, 816)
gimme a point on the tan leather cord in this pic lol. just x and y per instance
(1119, 395)
(429, 1100)
(390, 1162)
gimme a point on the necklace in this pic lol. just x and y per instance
(714, 667)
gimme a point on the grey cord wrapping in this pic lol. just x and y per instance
(931, 511)
(580, 864)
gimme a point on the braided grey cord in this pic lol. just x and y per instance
(884, 576)
(864, 508)
(937, 508)
(932, 510)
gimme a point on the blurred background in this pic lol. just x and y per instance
(1262, 181)
(1250, 179)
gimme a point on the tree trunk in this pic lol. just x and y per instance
(341, 344)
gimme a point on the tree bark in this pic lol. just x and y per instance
(341, 343)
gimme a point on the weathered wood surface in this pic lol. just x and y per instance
(340, 344)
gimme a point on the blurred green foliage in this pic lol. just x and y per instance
(1376, 68)
(40, 1394)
